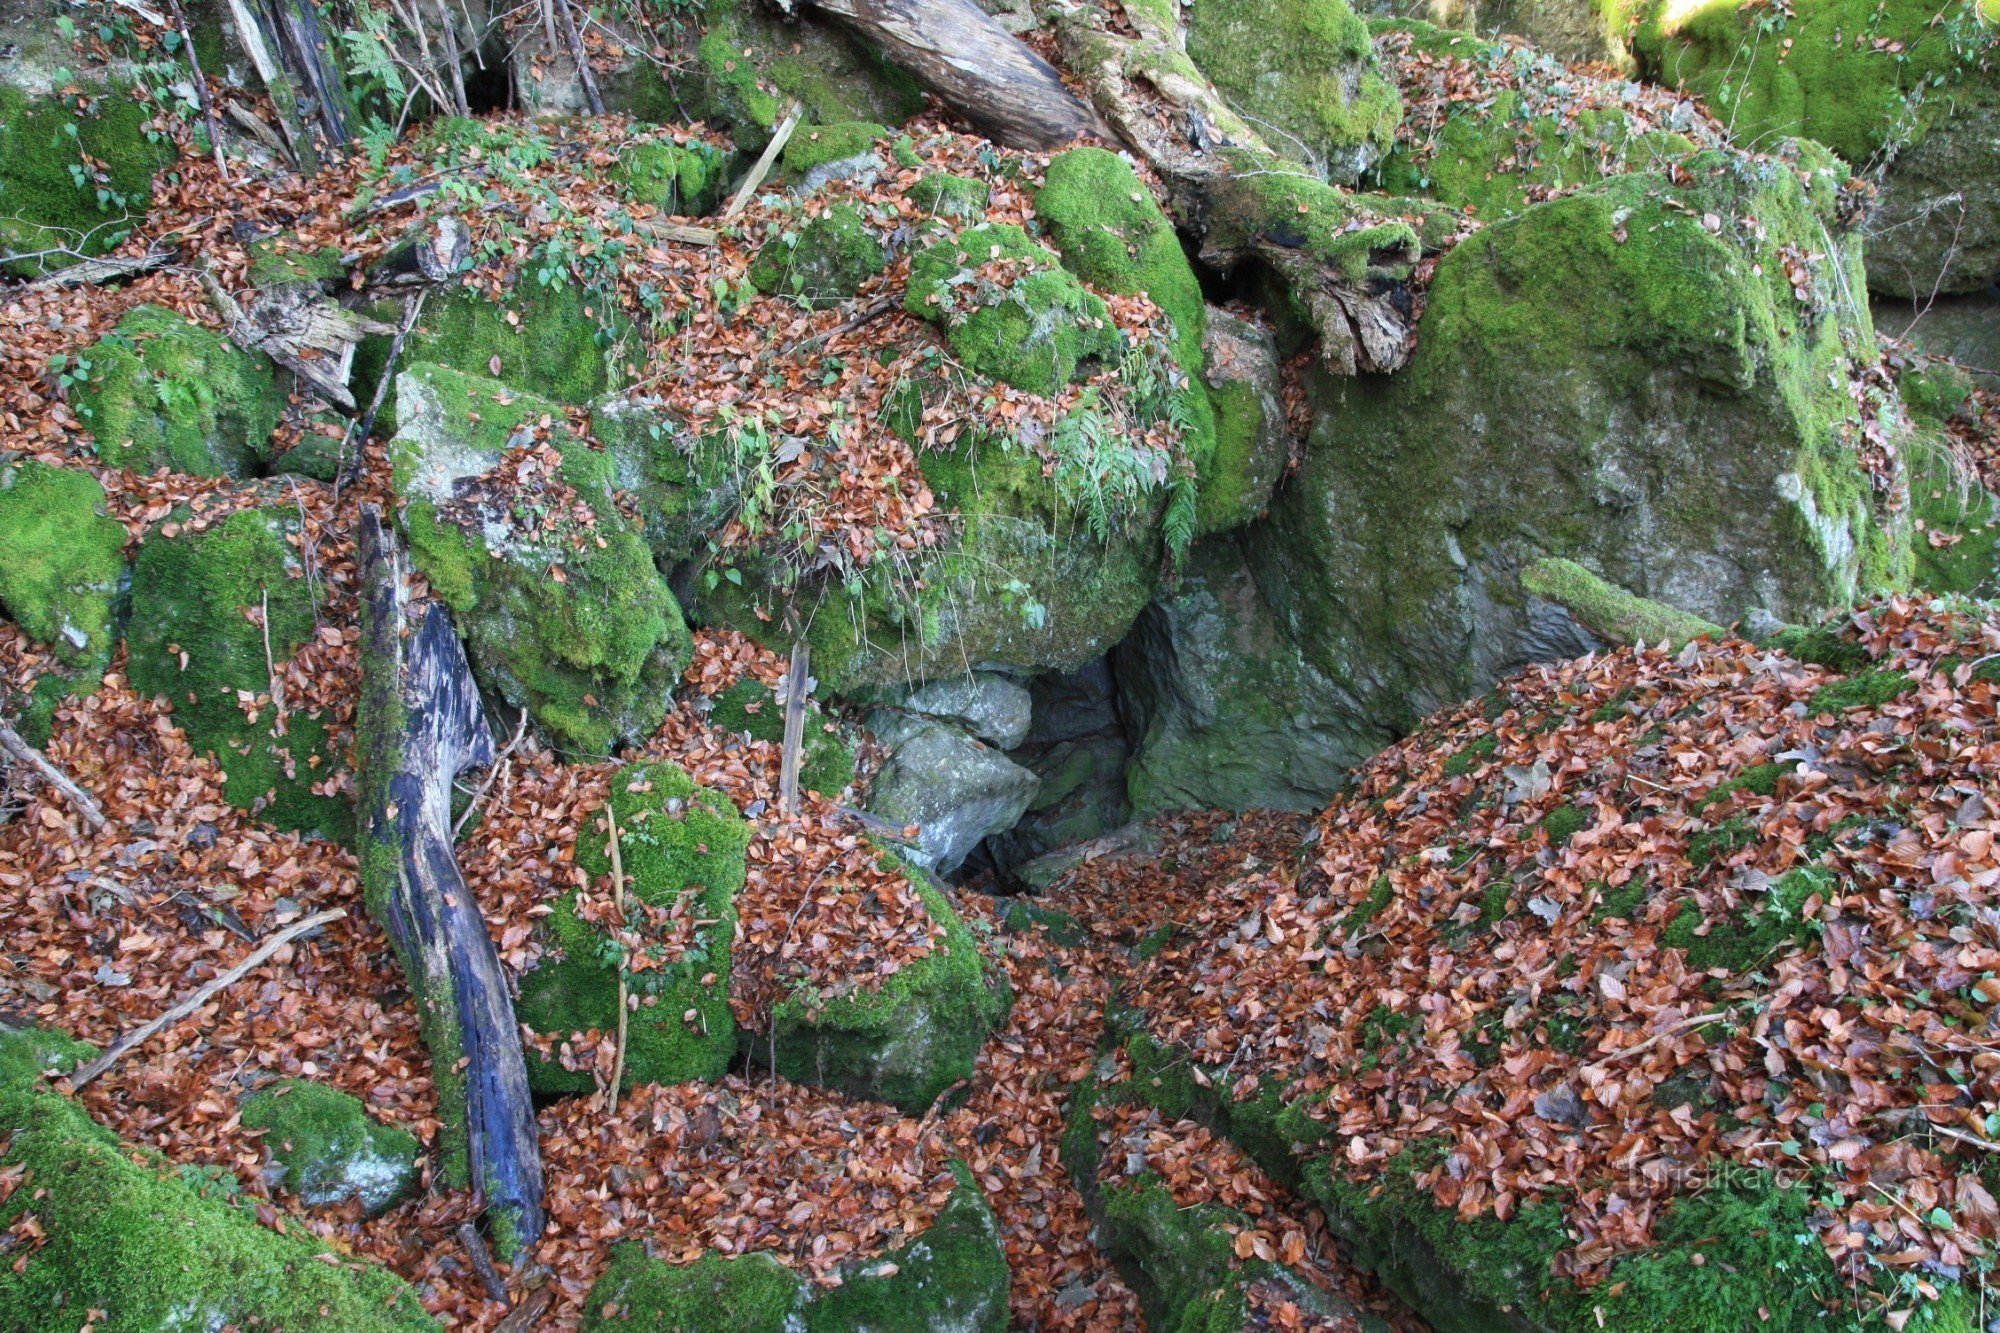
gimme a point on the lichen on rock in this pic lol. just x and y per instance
(162, 392)
(681, 851)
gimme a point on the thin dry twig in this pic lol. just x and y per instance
(86, 804)
(117, 1050)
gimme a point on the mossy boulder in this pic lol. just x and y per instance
(1575, 32)
(950, 1278)
(219, 608)
(905, 1042)
(684, 484)
(1112, 233)
(76, 172)
(1626, 377)
(556, 340)
(681, 848)
(162, 392)
(1305, 72)
(819, 153)
(1253, 435)
(822, 263)
(685, 179)
(1030, 583)
(1536, 128)
(561, 607)
(326, 1149)
(1610, 612)
(953, 789)
(752, 63)
(828, 756)
(1224, 709)
(1907, 93)
(148, 1245)
(62, 561)
(943, 195)
(1009, 309)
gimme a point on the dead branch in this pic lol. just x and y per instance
(201, 997)
(796, 684)
(86, 804)
(762, 168)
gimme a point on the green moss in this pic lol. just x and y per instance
(61, 560)
(827, 760)
(1472, 756)
(75, 175)
(558, 345)
(1761, 779)
(327, 1149)
(823, 263)
(1379, 894)
(151, 1247)
(1819, 646)
(816, 146)
(753, 64)
(1034, 328)
(1772, 921)
(166, 393)
(951, 1276)
(194, 642)
(278, 261)
(1958, 545)
(682, 848)
(1303, 71)
(1563, 823)
(753, 1293)
(679, 179)
(1610, 610)
(909, 1040)
(592, 654)
(1866, 689)
(685, 485)
(1725, 839)
(943, 195)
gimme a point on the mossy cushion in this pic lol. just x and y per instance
(951, 1277)
(824, 262)
(61, 560)
(826, 762)
(152, 1246)
(161, 392)
(76, 175)
(682, 851)
(326, 1149)
(214, 612)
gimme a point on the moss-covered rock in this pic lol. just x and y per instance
(555, 341)
(683, 179)
(681, 848)
(1009, 309)
(148, 1246)
(1305, 72)
(752, 64)
(325, 1148)
(1610, 612)
(1957, 541)
(820, 153)
(561, 607)
(1253, 436)
(217, 609)
(952, 1277)
(161, 392)
(904, 1043)
(953, 789)
(1626, 377)
(684, 484)
(1906, 92)
(62, 562)
(1575, 32)
(946, 196)
(822, 263)
(1112, 233)
(76, 173)
(827, 759)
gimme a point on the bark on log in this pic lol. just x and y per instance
(419, 726)
(977, 67)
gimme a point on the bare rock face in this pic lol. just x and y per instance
(955, 789)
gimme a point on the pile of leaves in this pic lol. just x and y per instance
(1636, 918)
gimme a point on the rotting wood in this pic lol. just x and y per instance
(419, 724)
(762, 167)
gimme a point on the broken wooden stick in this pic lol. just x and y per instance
(762, 167)
(86, 804)
(624, 997)
(482, 1261)
(92, 272)
(421, 725)
(194, 1002)
(795, 727)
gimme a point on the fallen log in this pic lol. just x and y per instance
(419, 725)
(978, 68)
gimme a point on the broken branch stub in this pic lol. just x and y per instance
(419, 725)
